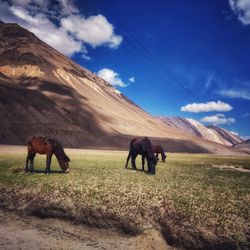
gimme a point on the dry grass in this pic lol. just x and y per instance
(193, 204)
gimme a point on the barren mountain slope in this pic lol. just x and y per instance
(244, 146)
(227, 135)
(45, 93)
(210, 133)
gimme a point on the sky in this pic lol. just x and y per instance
(186, 58)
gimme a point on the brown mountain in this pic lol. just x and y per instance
(228, 136)
(244, 146)
(45, 93)
(210, 133)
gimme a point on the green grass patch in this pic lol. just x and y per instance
(192, 202)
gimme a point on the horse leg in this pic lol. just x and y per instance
(48, 161)
(32, 156)
(27, 163)
(143, 162)
(129, 155)
(133, 157)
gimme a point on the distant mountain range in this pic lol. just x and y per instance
(45, 93)
(244, 146)
(210, 133)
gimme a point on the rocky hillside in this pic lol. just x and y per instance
(245, 146)
(45, 93)
(227, 135)
(210, 133)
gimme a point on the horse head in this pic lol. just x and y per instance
(64, 163)
(164, 158)
(152, 164)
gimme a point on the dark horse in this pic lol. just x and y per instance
(48, 146)
(159, 150)
(144, 148)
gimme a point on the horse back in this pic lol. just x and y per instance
(40, 145)
(141, 146)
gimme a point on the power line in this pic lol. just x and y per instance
(141, 50)
(149, 55)
(150, 68)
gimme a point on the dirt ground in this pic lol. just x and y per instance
(12, 149)
(27, 232)
(231, 167)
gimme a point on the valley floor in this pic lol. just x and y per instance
(194, 201)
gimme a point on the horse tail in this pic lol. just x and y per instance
(30, 144)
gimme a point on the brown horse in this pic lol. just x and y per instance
(144, 148)
(48, 146)
(159, 150)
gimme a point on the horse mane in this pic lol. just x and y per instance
(57, 148)
(162, 150)
(147, 147)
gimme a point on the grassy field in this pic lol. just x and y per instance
(193, 202)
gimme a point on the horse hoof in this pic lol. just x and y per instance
(66, 171)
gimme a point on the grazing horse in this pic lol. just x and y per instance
(48, 146)
(159, 150)
(144, 148)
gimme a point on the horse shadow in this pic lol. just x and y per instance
(137, 170)
(51, 172)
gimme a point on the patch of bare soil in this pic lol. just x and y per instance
(231, 167)
(18, 231)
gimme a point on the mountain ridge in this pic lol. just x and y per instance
(209, 132)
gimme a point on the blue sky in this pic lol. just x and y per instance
(173, 58)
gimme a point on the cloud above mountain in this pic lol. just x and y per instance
(241, 9)
(218, 119)
(111, 77)
(61, 24)
(218, 106)
(236, 93)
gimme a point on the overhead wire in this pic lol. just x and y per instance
(142, 51)
(148, 54)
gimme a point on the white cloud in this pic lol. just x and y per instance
(241, 9)
(218, 119)
(246, 137)
(42, 27)
(132, 79)
(94, 30)
(72, 31)
(207, 107)
(246, 115)
(209, 81)
(236, 93)
(234, 133)
(111, 77)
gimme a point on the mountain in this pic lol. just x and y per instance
(45, 93)
(210, 133)
(244, 146)
(227, 135)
